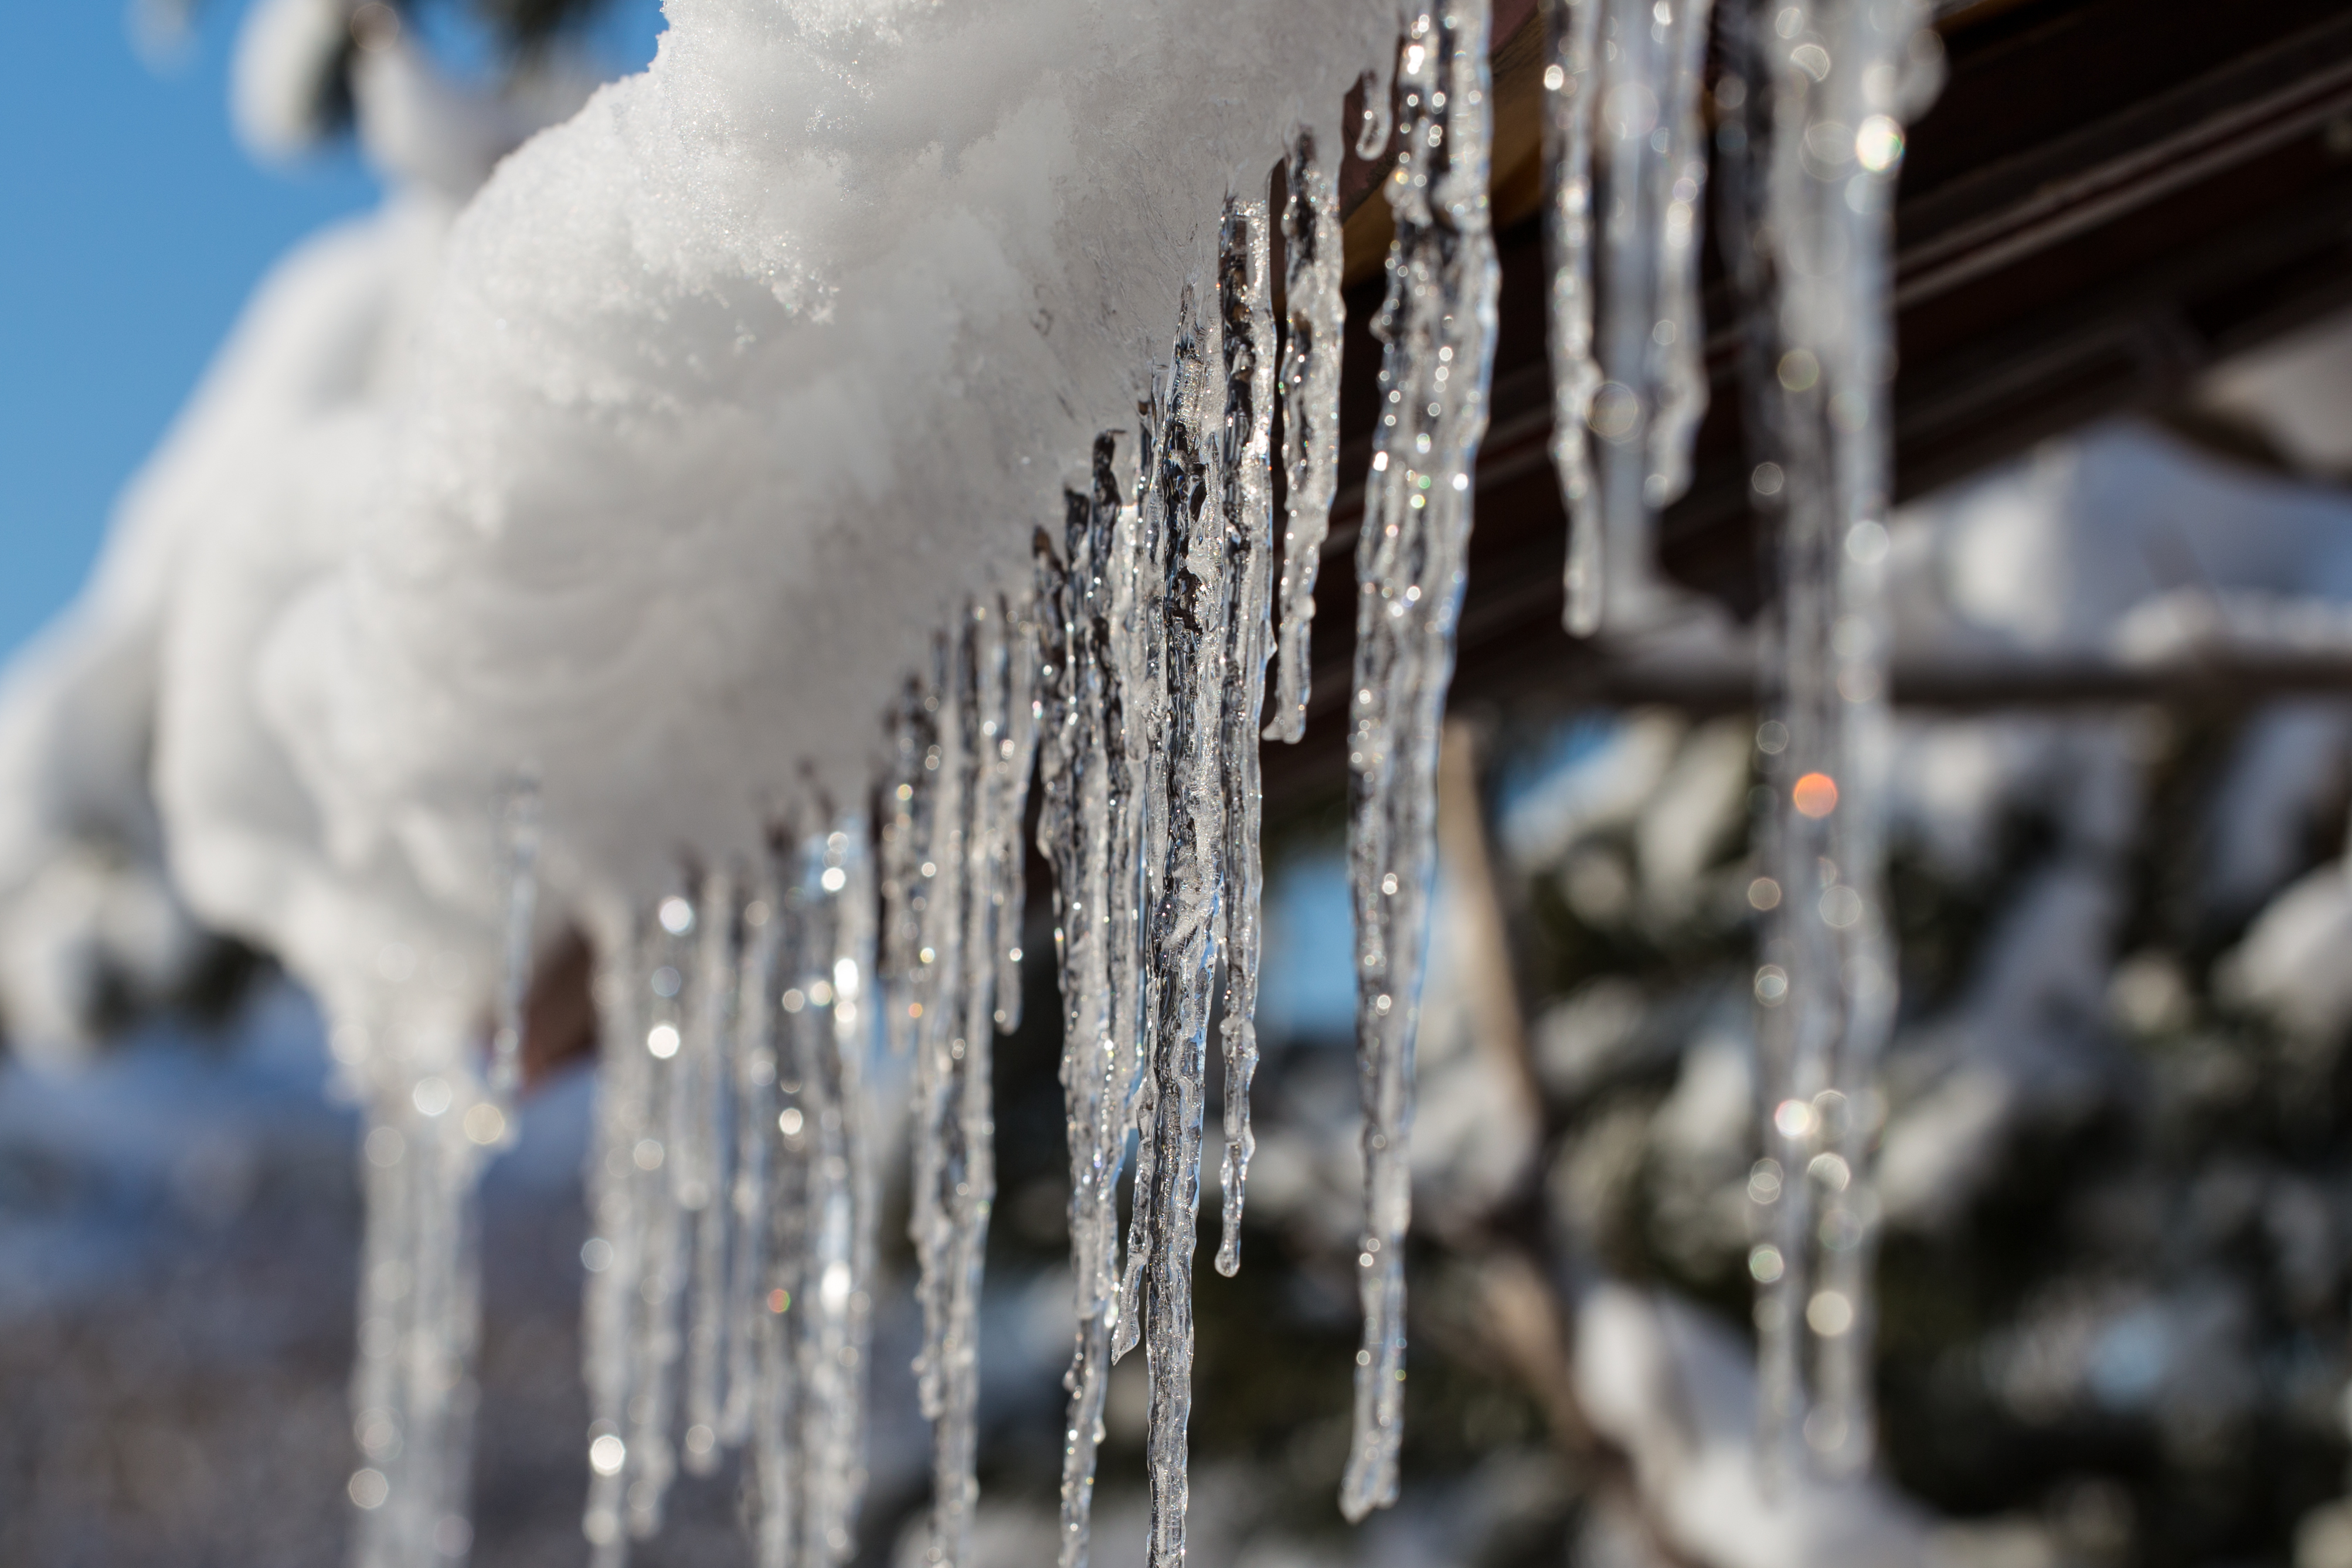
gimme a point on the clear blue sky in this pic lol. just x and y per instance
(134, 227)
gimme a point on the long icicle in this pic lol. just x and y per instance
(663, 1169)
(779, 1463)
(1571, 85)
(412, 1389)
(779, 1431)
(1186, 916)
(817, 1302)
(710, 1037)
(1841, 77)
(1081, 797)
(951, 1176)
(1014, 751)
(986, 735)
(980, 688)
(1627, 342)
(1142, 645)
(1246, 302)
(1438, 325)
(1676, 352)
(519, 832)
(1309, 386)
(755, 1066)
(837, 1449)
(625, 1099)
(907, 806)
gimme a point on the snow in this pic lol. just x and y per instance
(282, 81)
(2294, 391)
(648, 469)
(1676, 1392)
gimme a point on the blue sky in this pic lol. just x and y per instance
(135, 226)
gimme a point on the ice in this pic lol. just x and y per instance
(731, 1181)
(1627, 342)
(809, 1465)
(706, 1076)
(1157, 628)
(1245, 299)
(976, 774)
(1570, 86)
(1838, 79)
(754, 1053)
(616, 1210)
(1015, 751)
(950, 1175)
(1152, 566)
(1081, 802)
(909, 804)
(412, 1391)
(520, 834)
(1309, 385)
(1438, 326)
(844, 1300)
(1184, 507)
(660, 1221)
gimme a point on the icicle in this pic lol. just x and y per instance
(672, 1218)
(665, 1164)
(1438, 324)
(779, 1460)
(1187, 915)
(1676, 353)
(1376, 128)
(616, 1253)
(1083, 800)
(1570, 86)
(907, 805)
(1141, 638)
(775, 1271)
(844, 1300)
(815, 1305)
(707, 1077)
(519, 831)
(1014, 753)
(412, 1390)
(1246, 305)
(1014, 759)
(754, 1059)
(1841, 76)
(947, 1185)
(1311, 413)
(1627, 356)
(978, 793)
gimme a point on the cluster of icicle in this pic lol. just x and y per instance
(1627, 154)
(732, 1197)
(1812, 104)
(413, 1394)
(732, 1193)
(951, 895)
(731, 1183)
(412, 1390)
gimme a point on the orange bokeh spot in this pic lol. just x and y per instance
(1815, 795)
